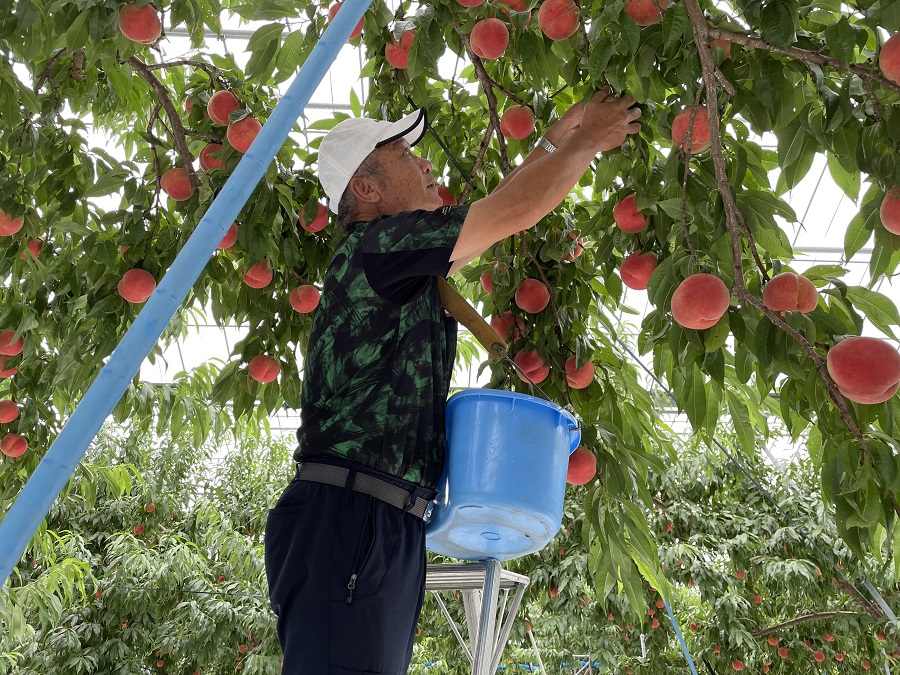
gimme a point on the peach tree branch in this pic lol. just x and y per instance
(800, 619)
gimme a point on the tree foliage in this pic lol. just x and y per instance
(76, 96)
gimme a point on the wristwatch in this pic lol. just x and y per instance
(546, 145)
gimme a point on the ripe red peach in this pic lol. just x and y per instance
(140, 24)
(136, 285)
(558, 19)
(627, 216)
(700, 301)
(532, 296)
(789, 292)
(221, 105)
(579, 378)
(446, 196)
(700, 140)
(230, 237)
(13, 445)
(889, 59)
(397, 54)
(517, 122)
(865, 369)
(582, 466)
(9, 225)
(34, 249)
(489, 38)
(9, 411)
(533, 365)
(334, 10)
(579, 247)
(241, 133)
(636, 270)
(890, 211)
(724, 45)
(4, 371)
(305, 299)
(8, 347)
(177, 184)
(259, 275)
(645, 12)
(264, 368)
(319, 223)
(508, 328)
(208, 163)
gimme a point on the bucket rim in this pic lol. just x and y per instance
(502, 393)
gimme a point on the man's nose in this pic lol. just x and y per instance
(427, 166)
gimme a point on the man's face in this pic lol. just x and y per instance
(409, 184)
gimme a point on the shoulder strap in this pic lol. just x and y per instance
(463, 312)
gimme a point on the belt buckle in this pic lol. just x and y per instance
(428, 511)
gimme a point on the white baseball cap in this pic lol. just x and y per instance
(346, 146)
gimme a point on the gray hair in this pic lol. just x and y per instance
(348, 205)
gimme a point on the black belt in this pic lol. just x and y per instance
(369, 485)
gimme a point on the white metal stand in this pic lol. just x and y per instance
(480, 584)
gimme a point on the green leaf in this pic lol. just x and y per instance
(841, 39)
(778, 23)
(859, 231)
(849, 183)
(877, 307)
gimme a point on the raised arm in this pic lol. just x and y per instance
(540, 185)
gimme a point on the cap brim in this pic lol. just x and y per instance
(412, 128)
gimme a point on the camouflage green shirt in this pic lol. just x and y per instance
(380, 357)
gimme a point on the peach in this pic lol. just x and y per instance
(188, 105)
(398, 54)
(582, 466)
(9, 225)
(241, 133)
(819, 656)
(208, 163)
(889, 59)
(737, 664)
(724, 45)
(446, 196)
(636, 270)
(13, 445)
(489, 38)
(517, 122)
(9, 411)
(700, 140)
(558, 19)
(470, 3)
(645, 12)
(579, 247)
(319, 223)
(177, 184)
(789, 292)
(259, 276)
(305, 299)
(137, 285)
(627, 216)
(579, 378)
(783, 652)
(533, 365)
(890, 211)
(7, 346)
(230, 237)
(532, 296)
(34, 247)
(264, 368)
(4, 371)
(221, 105)
(140, 24)
(865, 369)
(334, 10)
(487, 282)
(700, 301)
(508, 328)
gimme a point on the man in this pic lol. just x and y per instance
(345, 544)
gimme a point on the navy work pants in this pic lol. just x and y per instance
(346, 576)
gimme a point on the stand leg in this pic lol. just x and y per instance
(490, 594)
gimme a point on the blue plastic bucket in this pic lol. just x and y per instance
(501, 493)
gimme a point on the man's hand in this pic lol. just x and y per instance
(607, 121)
(560, 131)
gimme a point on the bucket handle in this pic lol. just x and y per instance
(575, 434)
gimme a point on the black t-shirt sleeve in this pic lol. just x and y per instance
(400, 253)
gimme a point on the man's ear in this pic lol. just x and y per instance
(365, 189)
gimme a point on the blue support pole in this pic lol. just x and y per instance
(57, 466)
(687, 654)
